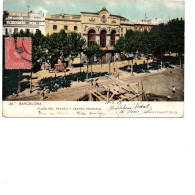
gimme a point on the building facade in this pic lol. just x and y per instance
(14, 22)
(146, 24)
(101, 27)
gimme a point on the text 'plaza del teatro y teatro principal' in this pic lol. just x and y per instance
(101, 27)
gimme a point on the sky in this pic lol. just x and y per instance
(131, 9)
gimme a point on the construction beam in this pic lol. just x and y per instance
(121, 82)
(94, 91)
(96, 96)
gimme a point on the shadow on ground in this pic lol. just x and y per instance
(55, 83)
(11, 80)
(142, 68)
(173, 60)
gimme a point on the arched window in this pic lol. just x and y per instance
(113, 35)
(91, 37)
(103, 38)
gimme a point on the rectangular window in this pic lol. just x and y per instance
(32, 30)
(65, 27)
(54, 27)
(15, 30)
(10, 31)
(75, 27)
(6, 31)
(37, 23)
(122, 30)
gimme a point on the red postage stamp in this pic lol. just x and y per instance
(18, 53)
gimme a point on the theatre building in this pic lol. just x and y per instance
(101, 27)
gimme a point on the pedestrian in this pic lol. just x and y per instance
(173, 89)
(95, 84)
(56, 86)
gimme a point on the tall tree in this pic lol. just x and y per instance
(159, 41)
(62, 45)
(90, 52)
(120, 45)
(75, 44)
(175, 34)
(56, 45)
(99, 54)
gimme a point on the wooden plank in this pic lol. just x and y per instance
(111, 96)
(114, 91)
(129, 95)
(108, 94)
(127, 84)
(110, 87)
(96, 96)
(123, 97)
(135, 96)
(121, 90)
(106, 87)
(127, 88)
(94, 91)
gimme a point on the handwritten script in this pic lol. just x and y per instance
(124, 108)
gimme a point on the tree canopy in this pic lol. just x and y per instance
(93, 50)
(51, 47)
(161, 39)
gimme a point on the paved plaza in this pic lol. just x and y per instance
(159, 82)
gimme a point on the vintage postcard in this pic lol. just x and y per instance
(94, 58)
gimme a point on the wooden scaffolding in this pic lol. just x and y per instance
(115, 90)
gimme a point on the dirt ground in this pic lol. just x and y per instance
(159, 82)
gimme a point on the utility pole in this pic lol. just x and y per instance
(27, 22)
(28, 9)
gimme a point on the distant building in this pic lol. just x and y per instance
(146, 24)
(14, 22)
(157, 21)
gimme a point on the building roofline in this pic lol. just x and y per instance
(65, 15)
(145, 24)
(89, 13)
